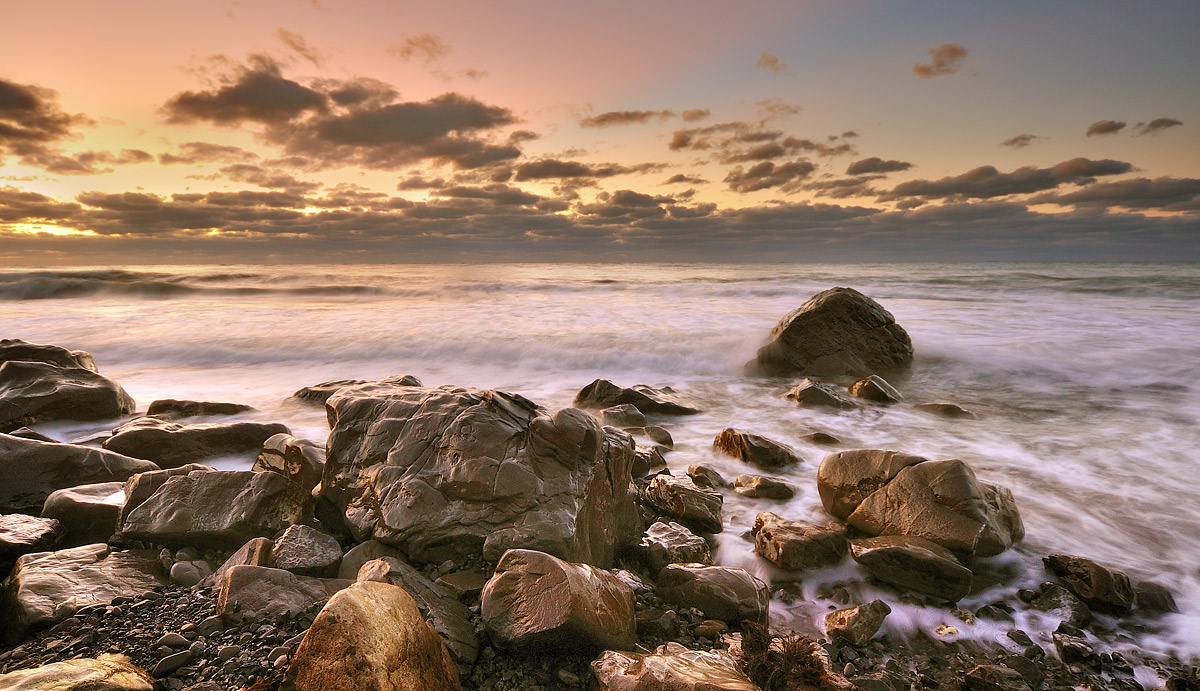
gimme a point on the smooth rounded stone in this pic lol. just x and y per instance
(671, 543)
(190, 573)
(808, 393)
(795, 545)
(821, 439)
(24, 534)
(1099, 587)
(172, 409)
(33, 392)
(671, 668)
(837, 332)
(320, 393)
(172, 640)
(536, 601)
(946, 410)
(171, 663)
(1058, 601)
(32, 470)
(724, 593)
(602, 393)
(105, 673)
(846, 478)
(754, 449)
(362, 553)
(256, 552)
(217, 508)
(875, 388)
(679, 498)
(260, 590)
(306, 551)
(17, 349)
(88, 512)
(994, 678)
(170, 444)
(943, 502)
(856, 625)
(299, 460)
(1152, 598)
(47, 587)
(706, 477)
(624, 415)
(759, 487)
(370, 636)
(658, 435)
(914, 564)
(450, 473)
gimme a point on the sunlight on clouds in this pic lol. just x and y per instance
(43, 229)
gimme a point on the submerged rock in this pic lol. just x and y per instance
(602, 393)
(1058, 601)
(33, 392)
(794, 545)
(170, 444)
(875, 388)
(87, 512)
(299, 460)
(813, 394)
(754, 449)
(759, 487)
(724, 593)
(32, 470)
(170, 408)
(914, 564)
(1098, 586)
(671, 668)
(624, 415)
(946, 410)
(680, 499)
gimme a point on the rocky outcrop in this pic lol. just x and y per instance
(106, 673)
(680, 499)
(535, 600)
(914, 564)
(856, 625)
(1098, 586)
(602, 393)
(720, 592)
(875, 388)
(32, 470)
(449, 473)
(994, 678)
(671, 543)
(320, 393)
(87, 512)
(808, 393)
(794, 545)
(671, 667)
(23, 534)
(846, 478)
(170, 444)
(754, 449)
(33, 392)
(299, 460)
(759, 487)
(370, 636)
(18, 350)
(306, 551)
(138, 488)
(172, 409)
(837, 332)
(261, 590)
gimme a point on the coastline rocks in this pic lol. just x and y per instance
(24, 534)
(16, 349)
(448, 473)
(256, 552)
(320, 393)
(260, 590)
(1099, 587)
(105, 673)
(813, 394)
(994, 678)
(138, 488)
(914, 564)
(946, 410)
(170, 444)
(33, 392)
(306, 551)
(846, 478)
(87, 512)
(759, 487)
(671, 543)
(837, 332)
(32, 470)
(370, 636)
(671, 667)
(856, 625)
(1058, 601)
(705, 477)
(679, 498)
(170, 408)
(357, 556)
(535, 600)
(754, 449)
(793, 545)
(602, 393)
(1152, 598)
(624, 415)
(875, 388)
(724, 593)
(299, 460)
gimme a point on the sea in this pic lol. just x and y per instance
(1082, 377)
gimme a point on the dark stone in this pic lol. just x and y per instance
(875, 388)
(170, 444)
(33, 392)
(793, 545)
(1153, 598)
(915, 564)
(946, 410)
(1099, 587)
(679, 498)
(813, 394)
(602, 393)
(759, 487)
(32, 470)
(299, 460)
(16, 349)
(24, 534)
(754, 449)
(171, 409)
(88, 512)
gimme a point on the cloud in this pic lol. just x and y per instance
(429, 48)
(497, 194)
(20, 206)
(771, 62)
(742, 142)
(1163, 193)
(298, 45)
(695, 114)
(766, 175)
(774, 108)
(420, 182)
(206, 152)
(1156, 125)
(876, 165)
(844, 188)
(626, 117)
(33, 128)
(985, 182)
(943, 59)
(1020, 141)
(1104, 127)
(681, 179)
(554, 168)
(264, 177)
(258, 93)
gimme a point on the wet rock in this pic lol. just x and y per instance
(856, 625)
(171, 663)
(602, 393)
(465, 585)
(26, 433)
(259, 590)
(299, 460)
(1057, 601)
(657, 623)
(706, 477)
(946, 410)
(190, 573)
(170, 444)
(671, 543)
(658, 435)
(624, 415)
(647, 460)
(809, 393)
(724, 593)
(754, 449)
(536, 600)
(256, 552)
(846, 478)
(34, 392)
(106, 673)
(1098, 586)
(794, 545)
(87, 512)
(821, 439)
(759, 487)
(361, 554)
(671, 668)
(449, 473)
(24, 534)
(307, 551)
(172, 409)
(875, 388)
(1152, 598)
(320, 393)
(994, 678)
(1073, 649)
(32, 470)
(16, 349)
(913, 564)
(679, 498)
(1028, 669)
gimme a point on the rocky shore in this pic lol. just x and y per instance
(446, 537)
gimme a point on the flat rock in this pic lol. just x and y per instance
(721, 592)
(875, 388)
(16, 349)
(680, 499)
(808, 393)
(671, 668)
(754, 449)
(299, 460)
(32, 470)
(602, 393)
(170, 444)
(33, 392)
(795, 545)
(105, 673)
(24, 534)
(87, 512)
(172, 409)
(624, 415)
(846, 478)
(671, 543)
(856, 625)
(260, 590)
(759, 487)
(320, 393)
(914, 564)
(306, 551)
(1098, 586)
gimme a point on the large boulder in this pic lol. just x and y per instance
(170, 444)
(105, 673)
(671, 667)
(721, 592)
(300, 460)
(32, 470)
(217, 508)
(261, 590)
(88, 512)
(846, 478)
(679, 498)
(138, 488)
(24, 534)
(837, 332)
(449, 473)
(602, 393)
(914, 564)
(33, 392)
(1100, 587)
(754, 449)
(794, 545)
(16, 349)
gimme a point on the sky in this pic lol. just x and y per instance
(141, 132)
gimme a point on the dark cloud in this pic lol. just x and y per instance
(554, 168)
(1020, 141)
(19, 206)
(498, 195)
(1156, 125)
(986, 182)
(420, 182)
(744, 142)
(943, 59)
(844, 188)
(206, 152)
(695, 114)
(298, 45)
(258, 93)
(868, 166)
(766, 175)
(681, 179)
(1103, 127)
(33, 128)
(626, 117)
(359, 92)
(429, 48)
(1164, 194)
(85, 163)
(264, 177)
(771, 62)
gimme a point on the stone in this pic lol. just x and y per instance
(856, 625)
(946, 410)
(657, 623)
(140, 487)
(1099, 587)
(451, 474)
(16, 349)
(465, 585)
(190, 573)
(299, 460)
(794, 545)
(105, 673)
(624, 415)
(260, 590)
(1074, 649)
(87, 512)
(256, 552)
(219, 508)
(647, 460)
(705, 477)
(602, 393)
(32, 470)
(26, 433)
(172, 409)
(679, 498)
(307, 551)
(759, 487)
(808, 393)
(370, 636)
(721, 592)
(1152, 598)
(320, 393)
(171, 663)
(24, 534)
(914, 564)
(754, 449)
(875, 388)
(537, 601)
(837, 332)
(658, 435)
(671, 543)
(671, 668)
(1058, 601)
(994, 678)
(35, 392)
(172, 640)
(846, 478)
(821, 439)
(170, 444)
(362, 553)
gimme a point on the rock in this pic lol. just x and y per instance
(171, 663)
(465, 585)
(994, 678)
(1056, 600)
(846, 478)
(624, 415)
(536, 601)
(813, 394)
(320, 393)
(647, 460)
(793, 545)
(680, 499)
(1074, 649)
(754, 449)
(914, 564)
(657, 623)
(217, 508)
(26, 433)
(449, 473)
(837, 332)
(856, 625)
(172, 640)
(259, 590)
(705, 477)
(875, 388)
(449, 618)
(33, 392)
(658, 435)
(47, 587)
(1028, 669)
(602, 393)
(709, 628)
(1152, 598)
(190, 573)
(87, 512)
(171, 409)
(946, 410)
(821, 439)
(170, 444)
(759, 487)
(307, 551)
(299, 460)
(672, 668)
(256, 552)
(23, 534)
(942, 501)
(370, 636)
(105, 673)
(362, 553)
(1099, 587)
(724, 593)
(16, 349)
(671, 543)
(140, 487)
(32, 470)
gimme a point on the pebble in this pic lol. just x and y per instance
(170, 663)
(173, 640)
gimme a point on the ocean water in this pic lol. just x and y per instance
(1083, 378)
